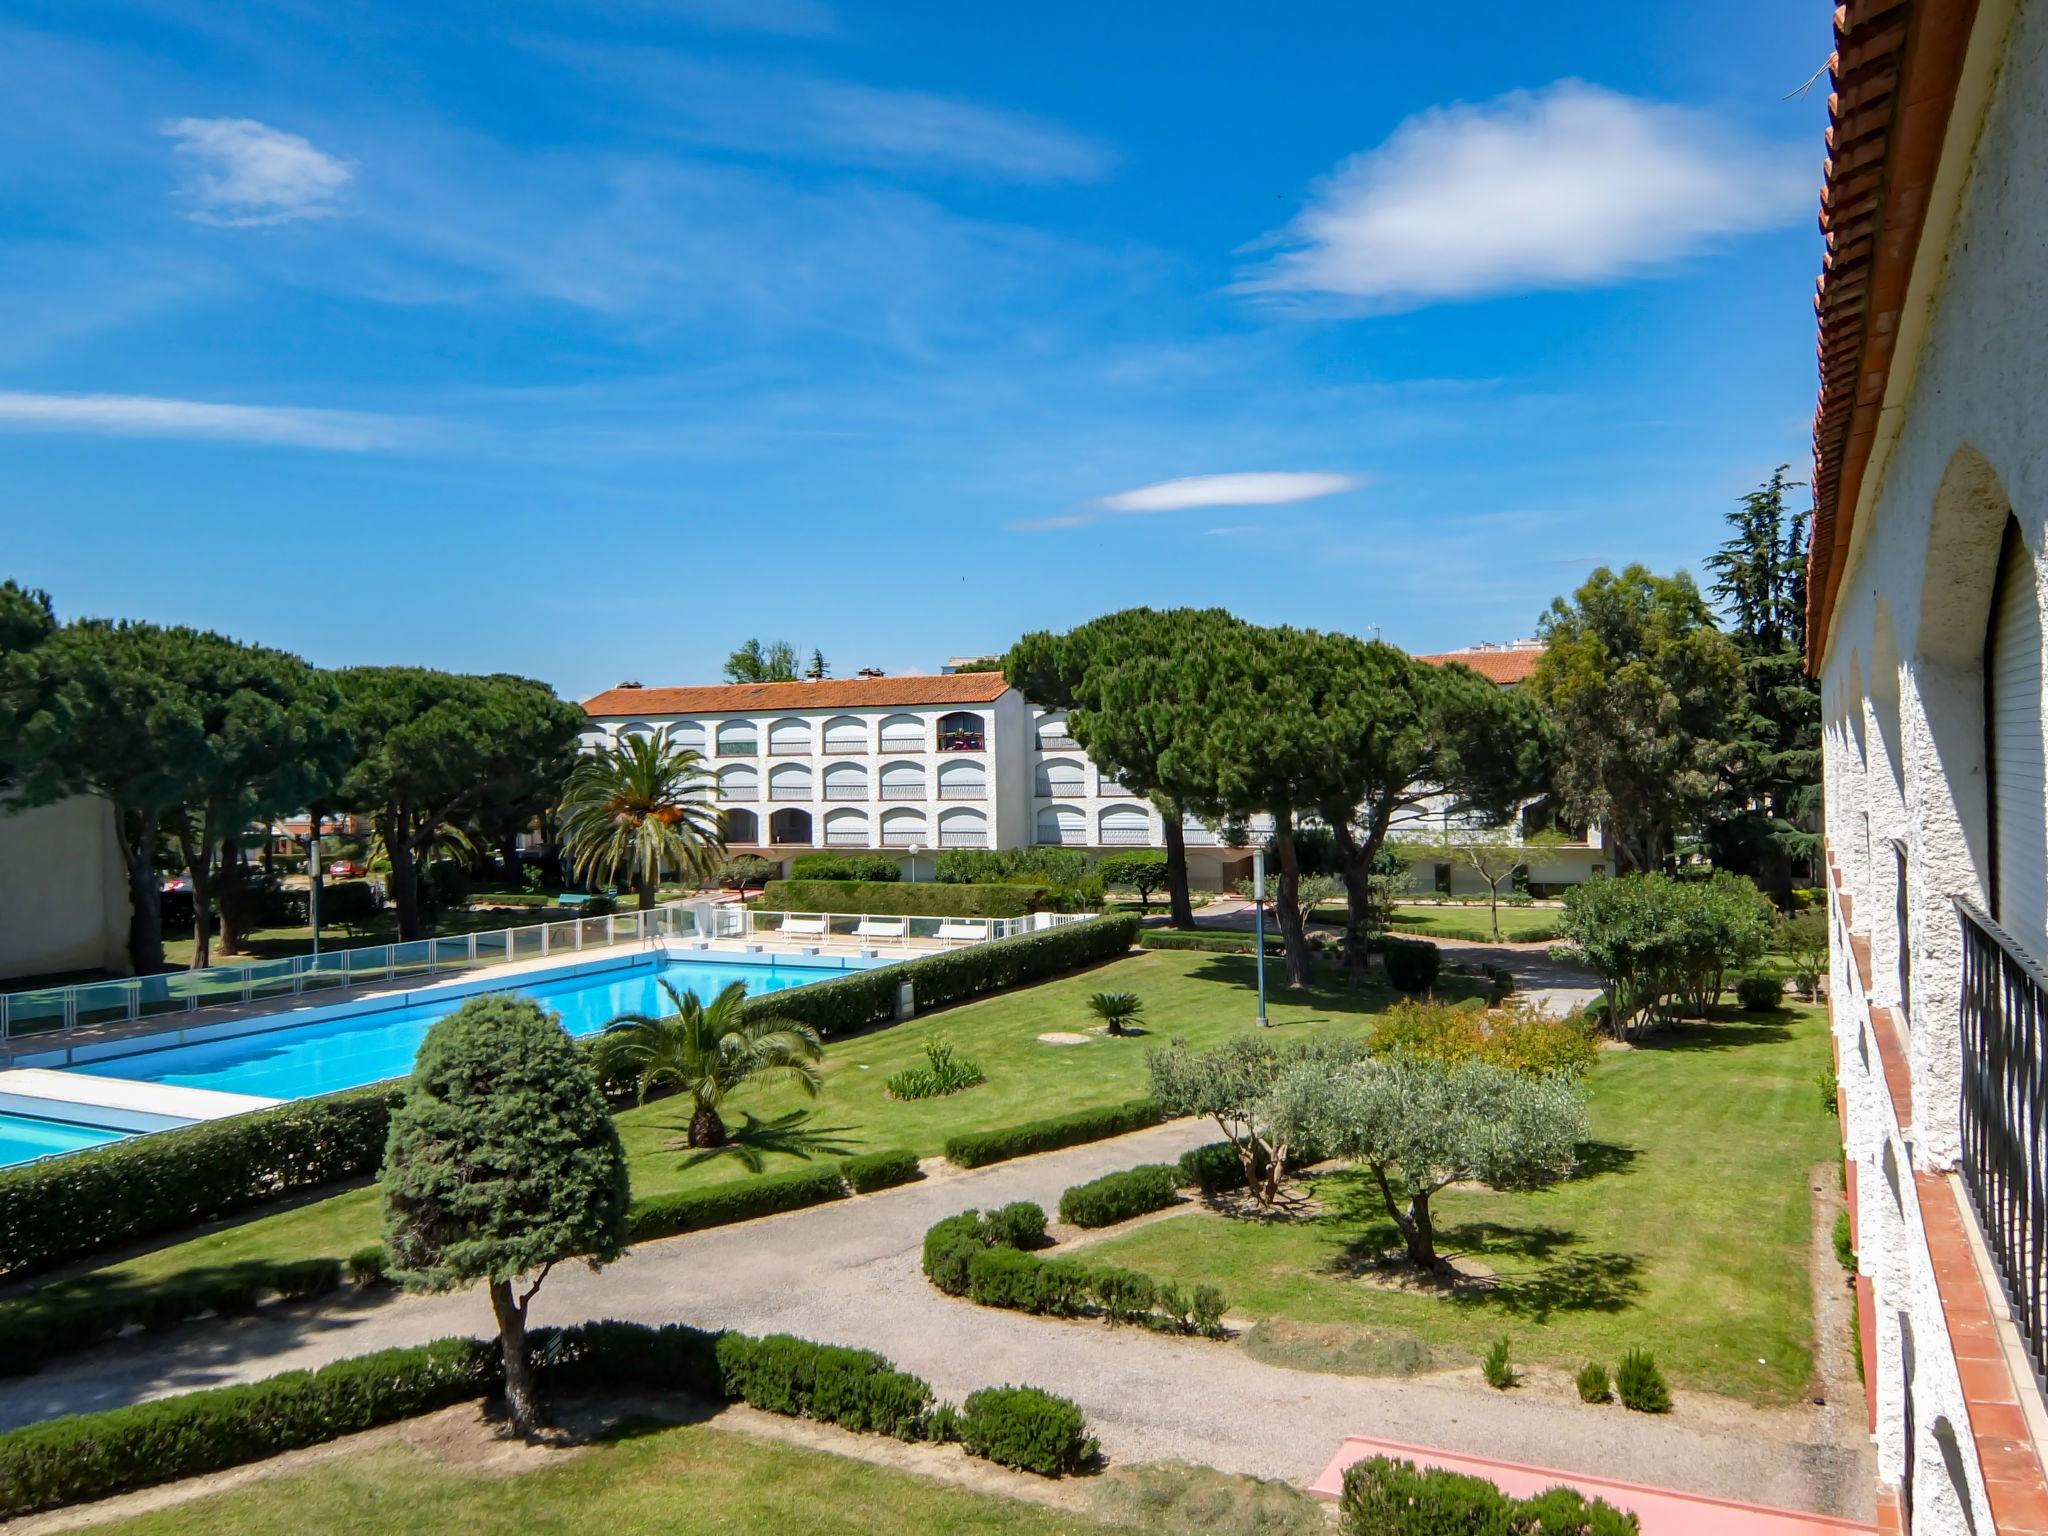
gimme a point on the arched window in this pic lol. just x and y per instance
(635, 728)
(789, 738)
(789, 781)
(687, 733)
(788, 827)
(846, 781)
(1060, 778)
(740, 782)
(739, 738)
(740, 826)
(903, 781)
(846, 829)
(902, 828)
(966, 779)
(1126, 826)
(845, 735)
(903, 733)
(963, 829)
(1054, 734)
(962, 731)
(1062, 826)
(2013, 749)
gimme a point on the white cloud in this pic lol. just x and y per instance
(156, 416)
(1253, 490)
(1560, 188)
(905, 127)
(240, 173)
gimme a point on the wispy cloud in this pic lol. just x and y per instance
(157, 416)
(1561, 188)
(1265, 489)
(784, 18)
(241, 173)
(791, 114)
(1233, 530)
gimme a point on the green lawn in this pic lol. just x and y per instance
(1686, 1232)
(1204, 997)
(687, 1481)
(1517, 924)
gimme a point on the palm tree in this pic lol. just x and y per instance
(1117, 1010)
(707, 1052)
(637, 806)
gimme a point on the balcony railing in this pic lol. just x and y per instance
(736, 747)
(739, 792)
(789, 791)
(963, 839)
(1197, 837)
(1060, 743)
(891, 838)
(2005, 1093)
(910, 743)
(955, 791)
(845, 748)
(1060, 789)
(903, 791)
(834, 838)
(1126, 837)
(786, 749)
(963, 741)
(846, 791)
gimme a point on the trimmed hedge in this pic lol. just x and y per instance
(63, 1207)
(975, 1149)
(871, 1171)
(1028, 1428)
(1412, 964)
(951, 1244)
(918, 900)
(853, 1388)
(1220, 942)
(1212, 1168)
(88, 1456)
(862, 998)
(741, 1200)
(1119, 1196)
(1383, 1497)
(845, 866)
(1063, 1287)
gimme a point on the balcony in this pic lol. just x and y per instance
(739, 746)
(796, 792)
(903, 791)
(963, 839)
(963, 741)
(846, 748)
(846, 791)
(893, 837)
(974, 791)
(1060, 789)
(835, 838)
(1059, 743)
(728, 792)
(1126, 837)
(1197, 837)
(903, 743)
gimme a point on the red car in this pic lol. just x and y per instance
(344, 869)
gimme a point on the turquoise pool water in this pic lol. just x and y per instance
(24, 1138)
(347, 1050)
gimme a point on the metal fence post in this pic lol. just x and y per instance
(472, 949)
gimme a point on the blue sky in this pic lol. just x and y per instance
(585, 340)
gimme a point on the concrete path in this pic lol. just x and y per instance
(849, 1273)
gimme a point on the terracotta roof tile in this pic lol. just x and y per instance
(832, 693)
(1497, 666)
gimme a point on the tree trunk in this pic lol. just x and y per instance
(1421, 1234)
(508, 855)
(706, 1129)
(1287, 900)
(145, 892)
(522, 1402)
(647, 891)
(1493, 907)
(199, 865)
(233, 909)
(405, 883)
(314, 881)
(1180, 905)
(1354, 860)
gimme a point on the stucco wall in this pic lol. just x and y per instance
(1902, 699)
(63, 890)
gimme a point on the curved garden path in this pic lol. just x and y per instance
(849, 1273)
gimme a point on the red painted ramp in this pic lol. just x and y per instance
(1662, 1511)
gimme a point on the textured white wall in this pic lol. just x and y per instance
(63, 890)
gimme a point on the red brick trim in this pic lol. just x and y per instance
(1889, 1521)
(1866, 1338)
(2014, 1479)
(1859, 948)
(1891, 1053)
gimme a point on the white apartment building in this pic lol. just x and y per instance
(1926, 579)
(892, 764)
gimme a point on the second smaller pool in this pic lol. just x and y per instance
(24, 1138)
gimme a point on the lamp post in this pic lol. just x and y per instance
(915, 850)
(1259, 922)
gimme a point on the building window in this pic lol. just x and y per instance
(962, 731)
(738, 738)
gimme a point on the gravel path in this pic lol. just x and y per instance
(848, 1273)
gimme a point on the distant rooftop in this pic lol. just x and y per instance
(829, 693)
(1498, 661)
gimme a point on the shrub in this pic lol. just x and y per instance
(1640, 1385)
(1119, 1196)
(1142, 870)
(950, 1247)
(1206, 1308)
(299, 1279)
(1497, 1367)
(976, 1149)
(1759, 994)
(919, 900)
(1117, 1010)
(990, 866)
(1520, 1037)
(871, 1171)
(1658, 941)
(1027, 1428)
(940, 1075)
(62, 1207)
(1412, 964)
(366, 1266)
(959, 1260)
(1124, 1295)
(1845, 1243)
(1211, 1168)
(1212, 941)
(742, 1200)
(350, 904)
(853, 1388)
(1020, 1224)
(1592, 1383)
(1383, 1497)
(748, 869)
(89, 1456)
(834, 866)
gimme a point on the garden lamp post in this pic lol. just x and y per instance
(915, 850)
(1259, 927)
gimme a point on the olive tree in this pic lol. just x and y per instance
(1143, 871)
(1264, 1098)
(1419, 1126)
(502, 1162)
(1655, 939)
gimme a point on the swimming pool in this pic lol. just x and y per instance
(24, 1138)
(352, 1046)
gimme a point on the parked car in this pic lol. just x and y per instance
(347, 869)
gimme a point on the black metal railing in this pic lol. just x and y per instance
(2005, 1089)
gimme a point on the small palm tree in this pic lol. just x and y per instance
(1117, 1010)
(638, 806)
(707, 1052)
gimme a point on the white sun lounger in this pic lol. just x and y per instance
(959, 930)
(897, 928)
(804, 927)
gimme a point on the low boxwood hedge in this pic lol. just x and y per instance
(90, 1456)
(1028, 1428)
(740, 1200)
(1221, 941)
(975, 1149)
(1412, 964)
(1119, 1196)
(879, 1170)
(908, 900)
(1064, 1287)
(1383, 1497)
